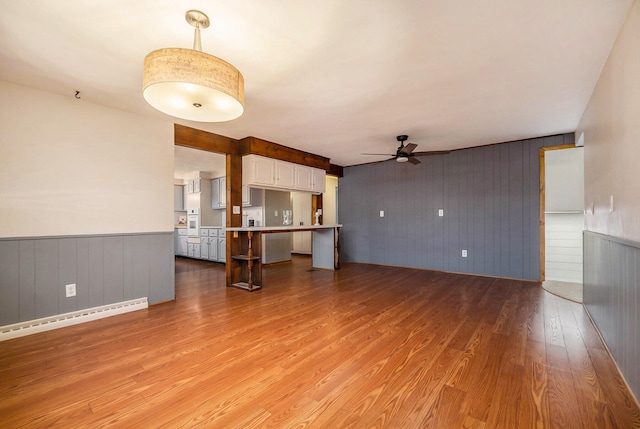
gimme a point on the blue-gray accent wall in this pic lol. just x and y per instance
(105, 268)
(612, 297)
(491, 201)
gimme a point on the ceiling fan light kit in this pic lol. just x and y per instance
(405, 153)
(193, 85)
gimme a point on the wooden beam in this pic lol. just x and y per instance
(335, 170)
(234, 198)
(261, 147)
(198, 139)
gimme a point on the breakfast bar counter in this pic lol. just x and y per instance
(246, 268)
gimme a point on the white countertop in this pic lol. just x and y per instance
(282, 228)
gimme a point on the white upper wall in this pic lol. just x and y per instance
(68, 167)
(612, 139)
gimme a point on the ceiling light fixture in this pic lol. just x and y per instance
(193, 85)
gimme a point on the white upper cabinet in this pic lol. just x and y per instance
(258, 170)
(193, 186)
(222, 193)
(285, 174)
(303, 177)
(261, 172)
(318, 180)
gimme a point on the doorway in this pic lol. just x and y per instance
(562, 220)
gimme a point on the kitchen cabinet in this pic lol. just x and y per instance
(258, 170)
(209, 244)
(193, 186)
(285, 175)
(193, 250)
(222, 249)
(181, 241)
(246, 196)
(215, 193)
(209, 247)
(318, 180)
(204, 247)
(222, 245)
(222, 193)
(251, 197)
(204, 243)
(179, 198)
(268, 173)
(303, 178)
(213, 245)
(219, 193)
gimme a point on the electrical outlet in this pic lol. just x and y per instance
(275, 213)
(70, 290)
(464, 253)
(440, 212)
(381, 213)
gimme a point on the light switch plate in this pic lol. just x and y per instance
(381, 213)
(236, 209)
(440, 212)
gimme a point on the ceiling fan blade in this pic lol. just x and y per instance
(410, 147)
(414, 160)
(433, 152)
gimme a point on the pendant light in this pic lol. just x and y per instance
(190, 84)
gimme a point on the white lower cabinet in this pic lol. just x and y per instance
(211, 247)
(183, 249)
(193, 250)
(222, 249)
(204, 247)
(180, 241)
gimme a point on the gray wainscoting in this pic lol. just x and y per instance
(491, 201)
(106, 269)
(612, 297)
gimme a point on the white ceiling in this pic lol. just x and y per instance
(336, 78)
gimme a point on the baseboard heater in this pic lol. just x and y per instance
(73, 318)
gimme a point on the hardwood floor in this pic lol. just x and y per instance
(366, 346)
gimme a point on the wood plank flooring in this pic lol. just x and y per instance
(363, 347)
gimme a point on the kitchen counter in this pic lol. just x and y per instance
(283, 228)
(245, 272)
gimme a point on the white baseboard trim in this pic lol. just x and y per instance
(67, 319)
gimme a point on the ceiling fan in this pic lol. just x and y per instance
(405, 153)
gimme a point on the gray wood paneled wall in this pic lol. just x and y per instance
(106, 269)
(612, 297)
(491, 201)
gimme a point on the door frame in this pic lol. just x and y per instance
(542, 151)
